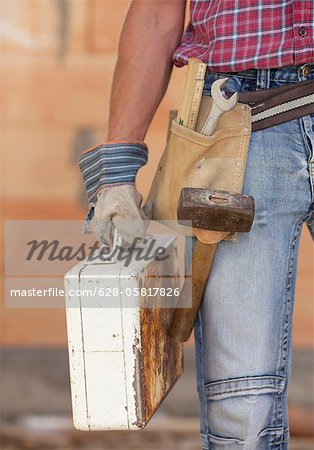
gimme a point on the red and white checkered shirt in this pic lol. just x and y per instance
(235, 35)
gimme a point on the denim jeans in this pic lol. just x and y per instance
(243, 330)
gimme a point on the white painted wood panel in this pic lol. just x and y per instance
(120, 368)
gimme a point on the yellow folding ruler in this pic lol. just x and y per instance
(193, 88)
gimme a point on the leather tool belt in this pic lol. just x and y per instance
(192, 159)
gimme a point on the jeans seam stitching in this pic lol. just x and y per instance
(284, 81)
(304, 136)
(258, 377)
(308, 148)
(289, 305)
(233, 74)
(266, 431)
(242, 390)
(287, 310)
(202, 375)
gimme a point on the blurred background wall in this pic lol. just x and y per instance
(57, 59)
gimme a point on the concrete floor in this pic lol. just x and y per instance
(36, 409)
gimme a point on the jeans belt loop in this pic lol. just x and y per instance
(263, 79)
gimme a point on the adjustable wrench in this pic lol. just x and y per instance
(220, 105)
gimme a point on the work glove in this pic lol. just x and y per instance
(109, 173)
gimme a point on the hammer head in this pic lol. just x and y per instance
(216, 210)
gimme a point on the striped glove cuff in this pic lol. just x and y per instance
(111, 164)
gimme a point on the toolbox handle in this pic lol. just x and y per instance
(117, 239)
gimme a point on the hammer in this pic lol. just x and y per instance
(208, 209)
(214, 210)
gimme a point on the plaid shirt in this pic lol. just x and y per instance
(235, 35)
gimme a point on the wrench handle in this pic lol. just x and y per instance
(209, 125)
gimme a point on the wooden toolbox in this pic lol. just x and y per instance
(122, 363)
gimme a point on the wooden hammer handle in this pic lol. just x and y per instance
(184, 318)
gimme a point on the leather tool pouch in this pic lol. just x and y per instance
(192, 159)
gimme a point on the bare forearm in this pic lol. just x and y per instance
(150, 34)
